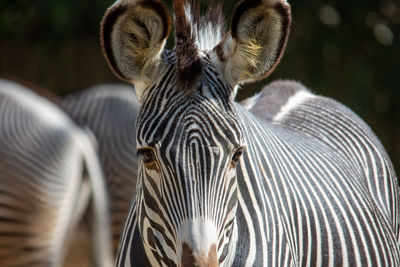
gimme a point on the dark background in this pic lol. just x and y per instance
(347, 50)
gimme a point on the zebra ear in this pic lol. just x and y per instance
(255, 44)
(133, 34)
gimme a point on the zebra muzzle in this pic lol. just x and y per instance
(199, 243)
(205, 259)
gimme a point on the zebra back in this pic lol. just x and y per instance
(305, 203)
(294, 107)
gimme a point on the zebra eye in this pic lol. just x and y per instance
(236, 156)
(147, 155)
(229, 228)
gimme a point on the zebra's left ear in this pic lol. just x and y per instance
(255, 44)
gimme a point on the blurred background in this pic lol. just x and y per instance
(347, 50)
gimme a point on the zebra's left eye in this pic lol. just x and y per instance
(236, 156)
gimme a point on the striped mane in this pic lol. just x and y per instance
(194, 33)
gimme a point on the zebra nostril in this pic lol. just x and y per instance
(187, 256)
(205, 259)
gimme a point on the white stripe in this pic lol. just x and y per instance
(294, 101)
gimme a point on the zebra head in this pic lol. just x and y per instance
(188, 135)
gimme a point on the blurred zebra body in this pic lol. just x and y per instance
(43, 155)
(110, 112)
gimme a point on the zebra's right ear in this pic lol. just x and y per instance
(133, 34)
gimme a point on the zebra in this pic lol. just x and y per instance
(289, 178)
(110, 111)
(43, 155)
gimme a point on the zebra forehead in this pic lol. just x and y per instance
(168, 115)
(187, 112)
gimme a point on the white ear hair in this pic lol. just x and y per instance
(255, 44)
(133, 34)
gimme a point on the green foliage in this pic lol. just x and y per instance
(50, 20)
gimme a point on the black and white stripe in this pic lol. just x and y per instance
(344, 132)
(316, 203)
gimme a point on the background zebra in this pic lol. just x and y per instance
(110, 112)
(221, 185)
(42, 192)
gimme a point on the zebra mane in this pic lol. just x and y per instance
(211, 28)
(194, 33)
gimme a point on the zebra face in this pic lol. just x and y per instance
(188, 152)
(188, 135)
